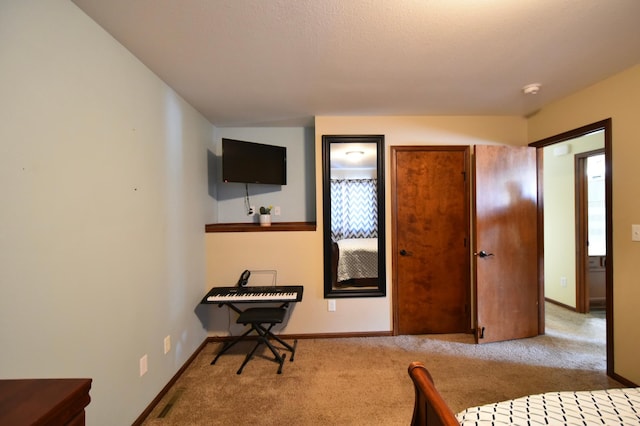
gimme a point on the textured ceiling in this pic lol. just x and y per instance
(278, 62)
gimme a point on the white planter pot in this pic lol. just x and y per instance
(265, 220)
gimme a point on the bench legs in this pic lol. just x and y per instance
(229, 345)
(264, 335)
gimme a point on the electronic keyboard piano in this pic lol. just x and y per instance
(278, 294)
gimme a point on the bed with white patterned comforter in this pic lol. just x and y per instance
(602, 407)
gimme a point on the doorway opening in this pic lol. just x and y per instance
(556, 287)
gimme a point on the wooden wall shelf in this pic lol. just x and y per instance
(255, 227)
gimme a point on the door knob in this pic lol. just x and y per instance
(483, 253)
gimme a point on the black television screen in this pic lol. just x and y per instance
(249, 162)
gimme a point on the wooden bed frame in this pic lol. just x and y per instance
(429, 408)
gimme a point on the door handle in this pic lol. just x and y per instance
(403, 252)
(483, 253)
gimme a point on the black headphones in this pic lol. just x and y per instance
(244, 278)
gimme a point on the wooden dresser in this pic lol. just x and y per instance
(44, 401)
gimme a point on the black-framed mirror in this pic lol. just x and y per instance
(353, 211)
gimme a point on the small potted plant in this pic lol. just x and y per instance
(265, 216)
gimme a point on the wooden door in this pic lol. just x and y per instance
(431, 250)
(506, 270)
(590, 270)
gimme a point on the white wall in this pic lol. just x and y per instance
(618, 98)
(298, 255)
(103, 182)
(560, 215)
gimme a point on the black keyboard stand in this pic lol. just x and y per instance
(261, 321)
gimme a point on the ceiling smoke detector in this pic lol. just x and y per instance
(531, 89)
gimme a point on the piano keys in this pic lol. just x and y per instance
(278, 294)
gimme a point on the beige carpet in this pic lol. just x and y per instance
(364, 381)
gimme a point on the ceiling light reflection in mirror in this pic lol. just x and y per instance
(353, 156)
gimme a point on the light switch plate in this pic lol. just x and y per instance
(167, 344)
(331, 305)
(635, 232)
(143, 365)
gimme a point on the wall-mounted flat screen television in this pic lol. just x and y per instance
(250, 162)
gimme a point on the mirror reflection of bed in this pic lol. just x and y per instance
(355, 263)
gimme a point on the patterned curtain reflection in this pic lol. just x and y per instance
(354, 208)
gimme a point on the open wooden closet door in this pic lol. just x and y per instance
(505, 243)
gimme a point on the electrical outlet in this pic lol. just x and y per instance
(251, 211)
(331, 305)
(143, 365)
(276, 211)
(167, 344)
